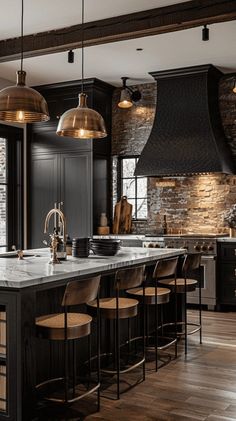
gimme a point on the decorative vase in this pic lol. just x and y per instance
(232, 232)
(103, 220)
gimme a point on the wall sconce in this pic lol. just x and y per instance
(128, 96)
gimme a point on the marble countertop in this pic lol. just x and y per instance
(35, 269)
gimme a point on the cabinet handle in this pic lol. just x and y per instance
(234, 272)
(235, 252)
(235, 292)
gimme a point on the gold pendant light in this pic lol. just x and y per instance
(82, 122)
(19, 103)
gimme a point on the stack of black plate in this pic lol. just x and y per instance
(80, 247)
(105, 246)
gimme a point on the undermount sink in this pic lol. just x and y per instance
(14, 255)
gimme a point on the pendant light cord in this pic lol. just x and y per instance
(22, 35)
(82, 46)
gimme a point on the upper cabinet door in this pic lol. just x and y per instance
(76, 192)
(44, 193)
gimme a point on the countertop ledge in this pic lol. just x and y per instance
(226, 240)
(35, 270)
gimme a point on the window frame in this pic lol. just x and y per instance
(6, 184)
(14, 186)
(120, 179)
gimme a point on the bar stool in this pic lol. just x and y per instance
(68, 327)
(154, 295)
(117, 308)
(192, 262)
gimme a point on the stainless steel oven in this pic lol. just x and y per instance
(207, 275)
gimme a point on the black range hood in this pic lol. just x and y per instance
(187, 136)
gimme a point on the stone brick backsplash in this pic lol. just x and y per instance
(195, 204)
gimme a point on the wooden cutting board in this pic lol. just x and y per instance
(122, 217)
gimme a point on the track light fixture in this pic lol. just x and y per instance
(234, 87)
(205, 33)
(128, 96)
(71, 56)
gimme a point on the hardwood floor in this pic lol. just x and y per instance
(200, 387)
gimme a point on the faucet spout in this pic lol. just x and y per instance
(63, 222)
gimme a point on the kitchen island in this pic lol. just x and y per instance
(32, 287)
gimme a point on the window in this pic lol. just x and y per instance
(135, 188)
(11, 220)
(3, 196)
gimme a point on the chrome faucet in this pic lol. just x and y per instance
(63, 223)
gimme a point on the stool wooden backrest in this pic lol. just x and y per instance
(165, 268)
(80, 292)
(191, 262)
(129, 278)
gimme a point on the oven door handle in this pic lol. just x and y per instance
(205, 257)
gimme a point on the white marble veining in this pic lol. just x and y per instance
(36, 270)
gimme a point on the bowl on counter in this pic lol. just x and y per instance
(105, 247)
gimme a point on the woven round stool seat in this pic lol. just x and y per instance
(128, 307)
(52, 326)
(163, 294)
(180, 284)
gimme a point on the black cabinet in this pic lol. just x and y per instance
(64, 178)
(76, 192)
(44, 193)
(227, 273)
(74, 172)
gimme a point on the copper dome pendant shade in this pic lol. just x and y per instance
(82, 122)
(20, 103)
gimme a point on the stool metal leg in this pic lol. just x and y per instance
(90, 358)
(98, 351)
(144, 332)
(200, 310)
(185, 317)
(74, 366)
(147, 325)
(176, 315)
(51, 370)
(137, 330)
(66, 362)
(162, 329)
(156, 327)
(117, 344)
(129, 336)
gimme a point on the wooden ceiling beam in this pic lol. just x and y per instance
(176, 17)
